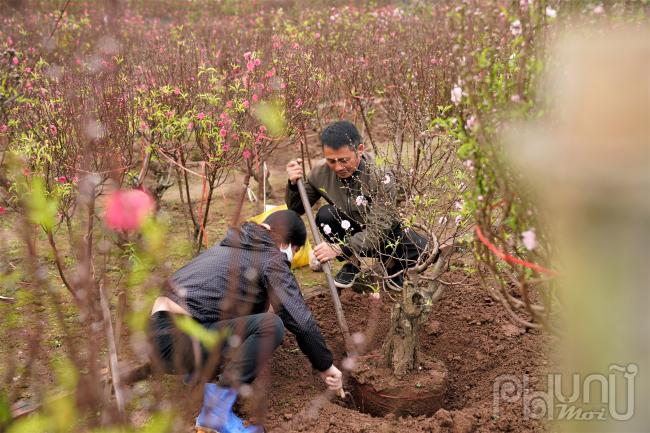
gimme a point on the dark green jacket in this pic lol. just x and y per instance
(368, 197)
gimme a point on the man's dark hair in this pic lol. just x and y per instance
(339, 134)
(287, 227)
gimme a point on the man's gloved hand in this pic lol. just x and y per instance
(326, 251)
(294, 171)
(314, 263)
(333, 379)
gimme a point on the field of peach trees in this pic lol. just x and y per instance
(133, 132)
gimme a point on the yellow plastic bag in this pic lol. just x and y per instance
(301, 258)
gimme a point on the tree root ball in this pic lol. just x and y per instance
(377, 392)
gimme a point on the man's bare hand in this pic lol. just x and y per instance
(325, 252)
(294, 171)
(333, 378)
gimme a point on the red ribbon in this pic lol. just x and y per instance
(510, 259)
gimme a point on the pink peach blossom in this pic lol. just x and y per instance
(246, 153)
(126, 210)
(200, 116)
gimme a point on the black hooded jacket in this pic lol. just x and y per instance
(241, 276)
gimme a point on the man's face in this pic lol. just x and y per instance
(343, 161)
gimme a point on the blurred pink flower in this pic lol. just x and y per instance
(3, 128)
(255, 98)
(529, 239)
(317, 35)
(200, 116)
(2, 210)
(515, 28)
(250, 66)
(226, 147)
(456, 95)
(15, 60)
(177, 91)
(229, 104)
(361, 201)
(62, 179)
(190, 126)
(53, 130)
(126, 210)
(224, 116)
(270, 73)
(234, 137)
(246, 104)
(258, 62)
(246, 153)
(223, 132)
(247, 55)
(28, 70)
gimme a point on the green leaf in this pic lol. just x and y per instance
(271, 115)
(208, 338)
(42, 210)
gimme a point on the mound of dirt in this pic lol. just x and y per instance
(467, 330)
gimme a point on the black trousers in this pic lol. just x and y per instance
(252, 341)
(399, 249)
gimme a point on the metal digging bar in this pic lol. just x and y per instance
(340, 317)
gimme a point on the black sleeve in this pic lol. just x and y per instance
(292, 197)
(289, 304)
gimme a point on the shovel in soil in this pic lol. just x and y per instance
(340, 317)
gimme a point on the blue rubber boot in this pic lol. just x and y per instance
(217, 415)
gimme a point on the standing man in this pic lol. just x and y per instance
(361, 217)
(229, 289)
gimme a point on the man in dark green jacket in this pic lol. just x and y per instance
(361, 217)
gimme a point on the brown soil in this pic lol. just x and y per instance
(467, 330)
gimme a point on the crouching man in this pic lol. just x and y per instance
(230, 288)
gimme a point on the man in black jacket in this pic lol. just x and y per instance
(230, 288)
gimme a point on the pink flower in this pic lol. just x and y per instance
(223, 132)
(229, 104)
(255, 98)
(361, 201)
(246, 104)
(62, 179)
(226, 147)
(247, 55)
(3, 128)
(258, 62)
(126, 210)
(317, 35)
(15, 60)
(250, 66)
(270, 73)
(224, 116)
(2, 210)
(234, 137)
(169, 114)
(177, 91)
(190, 126)
(53, 130)
(529, 239)
(28, 70)
(246, 153)
(200, 116)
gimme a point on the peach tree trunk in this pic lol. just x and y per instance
(400, 348)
